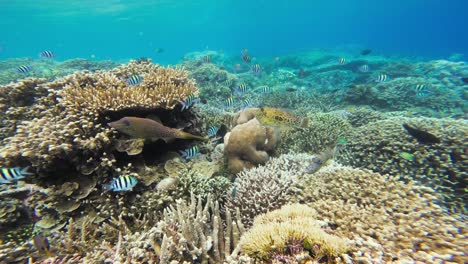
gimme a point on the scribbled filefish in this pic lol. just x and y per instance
(24, 69)
(134, 80)
(8, 175)
(47, 54)
(146, 128)
(121, 184)
(190, 153)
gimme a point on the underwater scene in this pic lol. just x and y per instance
(236, 132)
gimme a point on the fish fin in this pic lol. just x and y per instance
(26, 172)
(154, 118)
(107, 187)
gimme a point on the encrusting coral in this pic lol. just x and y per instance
(291, 233)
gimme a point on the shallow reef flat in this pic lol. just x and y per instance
(302, 159)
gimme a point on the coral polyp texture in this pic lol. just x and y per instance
(71, 116)
(386, 147)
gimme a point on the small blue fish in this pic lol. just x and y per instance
(190, 152)
(24, 69)
(189, 101)
(241, 88)
(47, 54)
(134, 80)
(341, 61)
(121, 184)
(8, 175)
(265, 89)
(382, 78)
(247, 102)
(364, 68)
(229, 102)
(212, 131)
(256, 69)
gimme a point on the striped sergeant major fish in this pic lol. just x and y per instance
(212, 131)
(229, 102)
(265, 89)
(8, 175)
(256, 68)
(241, 88)
(24, 69)
(134, 80)
(189, 101)
(364, 68)
(47, 54)
(382, 78)
(190, 153)
(421, 90)
(247, 102)
(121, 184)
(228, 82)
(341, 61)
(206, 59)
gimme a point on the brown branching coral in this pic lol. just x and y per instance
(386, 219)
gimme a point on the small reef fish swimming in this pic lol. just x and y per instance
(229, 102)
(47, 54)
(421, 90)
(407, 156)
(228, 82)
(247, 102)
(8, 175)
(24, 69)
(159, 50)
(212, 131)
(146, 128)
(421, 136)
(206, 59)
(41, 243)
(241, 88)
(364, 68)
(256, 69)
(342, 141)
(134, 80)
(121, 184)
(290, 90)
(190, 153)
(265, 89)
(245, 56)
(189, 101)
(366, 52)
(341, 61)
(382, 78)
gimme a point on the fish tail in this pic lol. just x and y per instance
(26, 171)
(107, 187)
(185, 135)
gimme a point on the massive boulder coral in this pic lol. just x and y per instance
(386, 219)
(248, 145)
(386, 147)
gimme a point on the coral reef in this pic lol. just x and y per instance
(386, 219)
(378, 146)
(291, 232)
(248, 145)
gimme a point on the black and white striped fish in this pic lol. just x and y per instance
(121, 184)
(256, 69)
(265, 89)
(241, 88)
(383, 78)
(190, 152)
(24, 69)
(247, 102)
(212, 131)
(206, 59)
(228, 82)
(189, 101)
(134, 80)
(341, 61)
(421, 90)
(47, 54)
(229, 102)
(364, 68)
(8, 175)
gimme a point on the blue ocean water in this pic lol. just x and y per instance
(113, 29)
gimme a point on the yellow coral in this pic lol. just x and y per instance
(280, 230)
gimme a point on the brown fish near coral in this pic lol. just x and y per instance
(278, 117)
(138, 127)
